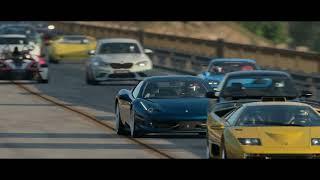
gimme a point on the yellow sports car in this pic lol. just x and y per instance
(265, 130)
(70, 47)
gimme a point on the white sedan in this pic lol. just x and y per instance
(117, 59)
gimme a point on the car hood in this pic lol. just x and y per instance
(279, 136)
(183, 106)
(123, 58)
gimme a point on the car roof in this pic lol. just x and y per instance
(232, 60)
(13, 36)
(257, 72)
(115, 40)
(281, 103)
(186, 77)
(80, 36)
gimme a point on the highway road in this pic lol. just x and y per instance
(34, 128)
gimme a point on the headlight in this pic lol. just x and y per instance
(250, 141)
(148, 107)
(51, 27)
(315, 141)
(214, 83)
(142, 63)
(100, 63)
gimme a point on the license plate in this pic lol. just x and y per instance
(121, 71)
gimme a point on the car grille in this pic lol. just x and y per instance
(178, 125)
(283, 156)
(121, 66)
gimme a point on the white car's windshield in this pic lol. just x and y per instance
(13, 40)
(117, 48)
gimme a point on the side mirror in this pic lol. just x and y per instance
(148, 51)
(124, 97)
(92, 52)
(217, 125)
(306, 94)
(211, 95)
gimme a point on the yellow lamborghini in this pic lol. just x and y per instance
(70, 47)
(265, 130)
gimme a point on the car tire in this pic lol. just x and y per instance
(133, 131)
(223, 153)
(208, 151)
(202, 133)
(54, 61)
(119, 128)
(44, 81)
(90, 81)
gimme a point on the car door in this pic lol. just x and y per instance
(126, 106)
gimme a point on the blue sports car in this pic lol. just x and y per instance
(158, 104)
(219, 67)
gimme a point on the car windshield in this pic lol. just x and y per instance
(259, 86)
(13, 40)
(174, 89)
(226, 67)
(116, 48)
(74, 40)
(278, 115)
(18, 30)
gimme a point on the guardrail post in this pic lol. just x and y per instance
(220, 48)
(141, 36)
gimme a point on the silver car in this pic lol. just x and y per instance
(117, 59)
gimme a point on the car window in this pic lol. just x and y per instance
(226, 67)
(279, 115)
(117, 48)
(257, 86)
(136, 90)
(13, 40)
(178, 88)
(74, 40)
(233, 117)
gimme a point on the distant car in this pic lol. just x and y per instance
(10, 41)
(250, 86)
(118, 59)
(265, 130)
(23, 66)
(70, 47)
(158, 104)
(29, 32)
(219, 67)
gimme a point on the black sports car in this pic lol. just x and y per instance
(163, 104)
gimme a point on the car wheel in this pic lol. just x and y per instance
(223, 154)
(208, 151)
(54, 61)
(119, 126)
(133, 132)
(44, 81)
(90, 81)
(202, 133)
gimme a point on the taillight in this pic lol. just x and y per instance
(4, 67)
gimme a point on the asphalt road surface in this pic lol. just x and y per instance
(33, 128)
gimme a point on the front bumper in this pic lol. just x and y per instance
(22, 74)
(109, 73)
(281, 156)
(173, 126)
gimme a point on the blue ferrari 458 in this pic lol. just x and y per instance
(158, 104)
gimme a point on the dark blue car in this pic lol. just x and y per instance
(163, 104)
(219, 67)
